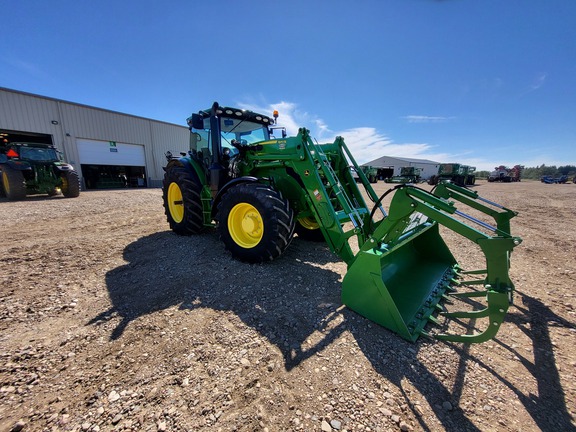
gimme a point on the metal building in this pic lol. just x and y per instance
(108, 149)
(428, 167)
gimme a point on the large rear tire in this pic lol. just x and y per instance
(182, 201)
(13, 183)
(255, 222)
(70, 184)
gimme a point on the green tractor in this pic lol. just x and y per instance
(462, 175)
(408, 174)
(258, 190)
(32, 168)
(370, 172)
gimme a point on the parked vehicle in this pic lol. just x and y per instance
(408, 174)
(462, 175)
(555, 180)
(32, 168)
(257, 191)
(506, 175)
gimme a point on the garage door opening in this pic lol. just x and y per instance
(10, 136)
(113, 176)
(384, 173)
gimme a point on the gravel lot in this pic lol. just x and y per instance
(109, 321)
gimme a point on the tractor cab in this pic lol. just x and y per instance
(219, 134)
(33, 153)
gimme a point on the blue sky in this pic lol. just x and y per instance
(483, 82)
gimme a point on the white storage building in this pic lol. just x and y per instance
(107, 148)
(428, 167)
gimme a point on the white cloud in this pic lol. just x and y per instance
(25, 67)
(538, 82)
(427, 119)
(288, 115)
(368, 143)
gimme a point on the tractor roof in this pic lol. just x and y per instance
(29, 144)
(239, 114)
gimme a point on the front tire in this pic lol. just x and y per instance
(13, 183)
(70, 184)
(182, 201)
(255, 222)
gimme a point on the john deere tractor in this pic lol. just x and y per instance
(32, 168)
(258, 190)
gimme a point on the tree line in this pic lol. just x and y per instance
(535, 173)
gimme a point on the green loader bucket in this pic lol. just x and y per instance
(405, 273)
(401, 288)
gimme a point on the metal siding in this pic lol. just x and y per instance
(27, 113)
(32, 113)
(165, 138)
(91, 123)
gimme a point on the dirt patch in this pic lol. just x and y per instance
(111, 322)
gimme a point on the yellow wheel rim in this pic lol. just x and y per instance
(64, 183)
(245, 225)
(5, 182)
(309, 223)
(175, 202)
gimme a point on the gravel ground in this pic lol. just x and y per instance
(109, 321)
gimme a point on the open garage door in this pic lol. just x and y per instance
(110, 164)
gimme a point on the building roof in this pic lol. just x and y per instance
(385, 160)
(9, 90)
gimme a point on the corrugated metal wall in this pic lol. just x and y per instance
(32, 113)
(428, 168)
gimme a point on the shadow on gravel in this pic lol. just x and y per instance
(548, 408)
(291, 301)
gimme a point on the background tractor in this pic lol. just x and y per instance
(505, 174)
(32, 168)
(258, 190)
(408, 174)
(462, 175)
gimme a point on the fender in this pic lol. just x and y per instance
(191, 165)
(64, 167)
(230, 184)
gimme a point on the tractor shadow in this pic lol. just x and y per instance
(292, 298)
(535, 320)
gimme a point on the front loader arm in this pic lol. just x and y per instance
(499, 213)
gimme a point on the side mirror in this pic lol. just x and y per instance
(197, 122)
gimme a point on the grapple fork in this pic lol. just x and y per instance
(405, 272)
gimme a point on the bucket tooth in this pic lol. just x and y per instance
(481, 313)
(473, 282)
(434, 320)
(495, 312)
(425, 334)
(469, 294)
(481, 271)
